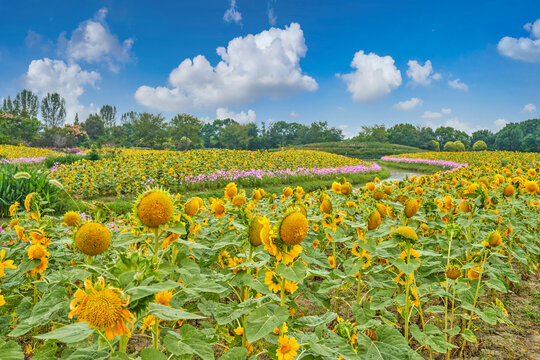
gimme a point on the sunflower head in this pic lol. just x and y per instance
(31, 202)
(218, 208)
(373, 220)
(378, 195)
(287, 191)
(326, 206)
(92, 238)
(192, 207)
(346, 188)
(154, 208)
(258, 228)
(411, 207)
(494, 239)
(464, 206)
(381, 208)
(230, 190)
(293, 228)
(453, 272)
(407, 233)
(239, 200)
(531, 186)
(71, 218)
(509, 190)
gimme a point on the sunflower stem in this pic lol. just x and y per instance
(155, 333)
(123, 343)
(407, 302)
(282, 291)
(156, 247)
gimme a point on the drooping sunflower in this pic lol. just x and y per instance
(230, 190)
(258, 228)
(154, 208)
(326, 206)
(494, 239)
(103, 308)
(374, 220)
(293, 228)
(509, 190)
(71, 218)
(407, 233)
(218, 209)
(411, 207)
(92, 238)
(239, 200)
(31, 201)
(192, 207)
(453, 273)
(346, 188)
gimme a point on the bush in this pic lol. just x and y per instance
(479, 145)
(64, 159)
(12, 190)
(449, 146)
(459, 146)
(434, 145)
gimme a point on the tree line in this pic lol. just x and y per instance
(19, 123)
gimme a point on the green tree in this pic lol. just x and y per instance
(235, 136)
(509, 138)
(8, 107)
(434, 145)
(449, 146)
(128, 117)
(459, 146)
(94, 126)
(108, 115)
(149, 130)
(26, 104)
(53, 110)
(479, 145)
(184, 125)
(375, 133)
(484, 135)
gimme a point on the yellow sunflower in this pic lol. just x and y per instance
(92, 238)
(287, 349)
(154, 208)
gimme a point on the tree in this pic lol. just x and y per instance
(149, 130)
(484, 135)
(53, 110)
(373, 133)
(94, 126)
(76, 122)
(449, 146)
(235, 136)
(434, 145)
(128, 117)
(8, 107)
(509, 138)
(479, 145)
(184, 125)
(459, 146)
(108, 115)
(26, 104)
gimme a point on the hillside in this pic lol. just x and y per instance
(360, 150)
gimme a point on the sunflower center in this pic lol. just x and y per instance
(102, 309)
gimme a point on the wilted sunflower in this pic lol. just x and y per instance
(407, 233)
(92, 238)
(326, 206)
(374, 220)
(411, 207)
(31, 201)
(256, 227)
(293, 228)
(103, 308)
(154, 208)
(71, 218)
(346, 188)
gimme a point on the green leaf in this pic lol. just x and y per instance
(152, 354)
(142, 291)
(436, 309)
(169, 313)
(287, 272)
(496, 284)
(179, 229)
(11, 351)
(88, 354)
(261, 322)
(190, 341)
(313, 321)
(69, 334)
(119, 356)
(363, 314)
(236, 353)
(469, 336)
(390, 345)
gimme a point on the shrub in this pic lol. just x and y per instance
(479, 145)
(459, 146)
(449, 146)
(434, 145)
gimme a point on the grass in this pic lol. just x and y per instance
(123, 205)
(359, 150)
(419, 167)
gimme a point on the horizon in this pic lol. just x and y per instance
(274, 61)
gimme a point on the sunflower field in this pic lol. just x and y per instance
(408, 269)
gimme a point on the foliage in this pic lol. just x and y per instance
(479, 145)
(359, 150)
(53, 110)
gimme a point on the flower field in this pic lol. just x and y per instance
(22, 154)
(131, 171)
(408, 269)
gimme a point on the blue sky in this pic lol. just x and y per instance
(467, 64)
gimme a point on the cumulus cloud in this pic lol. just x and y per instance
(272, 18)
(422, 75)
(499, 124)
(374, 77)
(525, 48)
(458, 84)
(408, 104)
(241, 117)
(49, 76)
(431, 115)
(93, 43)
(529, 108)
(265, 64)
(232, 14)
(463, 126)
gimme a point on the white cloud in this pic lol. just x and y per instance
(293, 114)
(525, 48)
(499, 124)
(241, 117)
(49, 76)
(431, 115)
(32, 38)
(265, 64)
(458, 84)
(463, 126)
(373, 78)
(421, 75)
(446, 111)
(93, 42)
(232, 14)
(272, 18)
(408, 104)
(529, 108)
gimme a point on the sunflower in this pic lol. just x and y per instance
(453, 273)
(164, 297)
(269, 280)
(381, 208)
(13, 208)
(494, 239)
(218, 209)
(255, 231)
(336, 187)
(37, 251)
(2, 300)
(71, 218)
(8, 264)
(473, 273)
(230, 190)
(154, 208)
(239, 200)
(92, 238)
(287, 192)
(192, 207)
(326, 206)
(103, 308)
(509, 190)
(464, 206)
(411, 207)
(28, 203)
(374, 220)
(407, 233)
(346, 188)
(531, 186)
(370, 186)
(287, 349)
(332, 261)
(293, 228)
